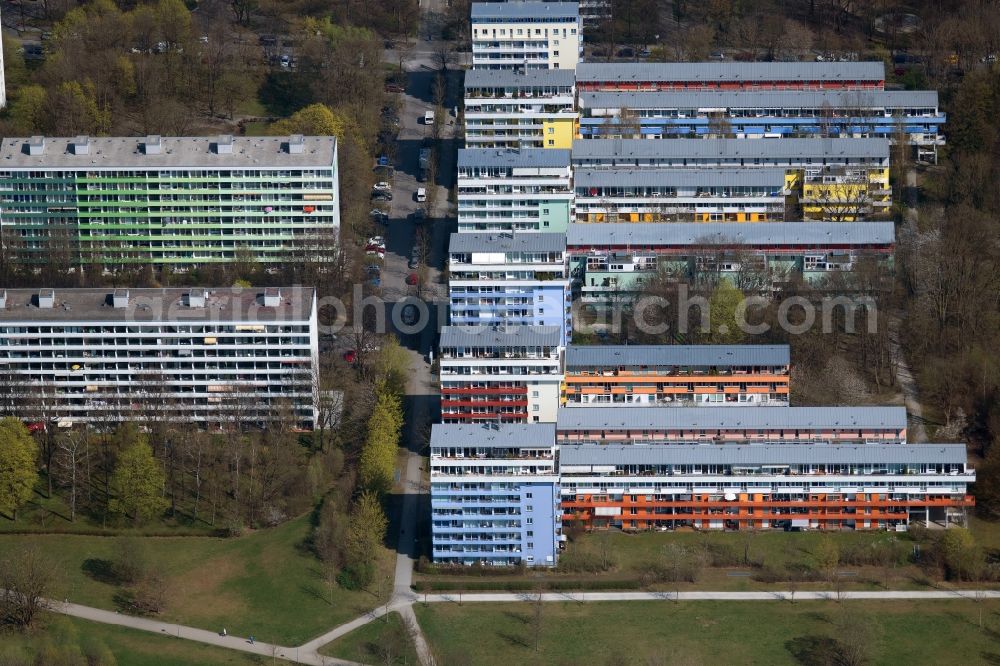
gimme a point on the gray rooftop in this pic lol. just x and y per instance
(489, 435)
(792, 234)
(725, 177)
(507, 242)
(764, 454)
(148, 305)
(506, 78)
(173, 153)
(730, 418)
(512, 157)
(780, 99)
(593, 356)
(516, 9)
(800, 149)
(511, 336)
(731, 71)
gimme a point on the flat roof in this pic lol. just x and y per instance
(762, 454)
(730, 71)
(174, 153)
(729, 418)
(507, 78)
(751, 99)
(552, 158)
(492, 435)
(591, 356)
(651, 177)
(700, 234)
(516, 9)
(149, 305)
(498, 241)
(510, 336)
(707, 148)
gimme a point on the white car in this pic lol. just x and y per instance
(428, 117)
(382, 186)
(421, 194)
(377, 240)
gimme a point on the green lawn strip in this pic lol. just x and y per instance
(265, 583)
(927, 632)
(368, 643)
(60, 639)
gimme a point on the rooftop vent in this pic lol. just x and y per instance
(224, 145)
(272, 297)
(3, 299)
(36, 145)
(152, 145)
(119, 299)
(81, 145)
(296, 144)
(196, 298)
(46, 299)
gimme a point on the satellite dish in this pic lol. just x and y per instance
(730, 497)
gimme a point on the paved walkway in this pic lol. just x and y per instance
(778, 595)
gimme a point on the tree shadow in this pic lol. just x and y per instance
(813, 650)
(103, 571)
(990, 657)
(284, 93)
(523, 618)
(512, 639)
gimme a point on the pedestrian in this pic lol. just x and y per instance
(251, 640)
(224, 631)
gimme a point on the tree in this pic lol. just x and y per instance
(314, 120)
(725, 324)
(378, 456)
(18, 470)
(26, 577)
(365, 535)
(537, 618)
(959, 554)
(71, 457)
(138, 480)
(828, 558)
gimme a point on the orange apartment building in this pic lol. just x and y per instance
(676, 375)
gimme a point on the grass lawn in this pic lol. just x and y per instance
(73, 636)
(932, 632)
(376, 642)
(265, 583)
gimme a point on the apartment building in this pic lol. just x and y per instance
(913, 115)
(609, 263)
(494, 494)
(504, 375)
(676, 375)
(526, 35)
(732, 76)
(761, 486)
(682, 195)
(733, 425)
(520, 108)
(504, 279)
(210, 357)
(514, 190)
(177, 201)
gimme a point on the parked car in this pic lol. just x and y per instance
(377, 240)
(394, 88)
(626, 52)
(717, 55)
(418, 215)
(421, 194)
(412, 279)
(428, 117)
(382, 186)
(410, 314)
(382, 196)
(373, 269)
(351, 356)
(413, 262)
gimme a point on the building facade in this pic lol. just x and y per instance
(676, 375)
(526, 35)
(504, 375)
(682, 195)
(520, 109)
(171, 201)
(494, 494)
(211, 357)
(514, 190)
(610, 263)
(730, 76)
(502, 279)
(736, 486)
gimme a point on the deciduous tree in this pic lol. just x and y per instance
(18, 470)
(138, 481)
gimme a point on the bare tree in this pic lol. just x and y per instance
(537, 618)
(71, 458)
(26, 578)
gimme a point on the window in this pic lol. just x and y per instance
(531, 534)
(534, 408)
(529, 496)
(531, 545)
(552, 142)
(534, 394)
(552, 130)
(529, 509)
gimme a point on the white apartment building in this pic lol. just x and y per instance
(514, 190)
(520, 109)
(679, 195)
(494, 494)
(504, 375)
(504, 279)
(526, 35)
(205, 356)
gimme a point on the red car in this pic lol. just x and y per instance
(411, 279)
(350, 356)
